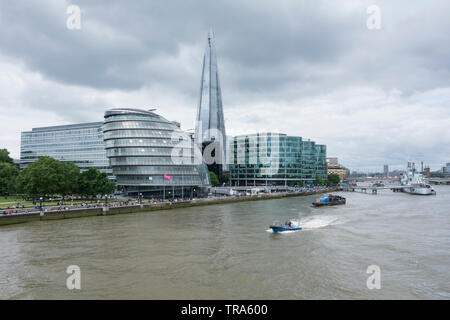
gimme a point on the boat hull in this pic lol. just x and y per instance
(334, 203)
(420, 191)
(278, 229)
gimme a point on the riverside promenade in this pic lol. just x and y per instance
(113, 209)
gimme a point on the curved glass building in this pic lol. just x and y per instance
(152, 155)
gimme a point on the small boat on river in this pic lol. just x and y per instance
(290, 225)
(330, 200)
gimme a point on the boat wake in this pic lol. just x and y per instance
(318, 222)
(311, 223)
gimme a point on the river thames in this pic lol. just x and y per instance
(226, 252)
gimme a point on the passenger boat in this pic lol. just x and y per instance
(330, 200)
(290, 225)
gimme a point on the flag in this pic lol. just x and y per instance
(167, 177)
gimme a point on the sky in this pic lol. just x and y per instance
(316, 69)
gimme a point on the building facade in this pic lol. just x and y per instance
(444, 172)
(81, 144)
(152, 155)
(386, 170)
(269, 159)
(210, 124)
(333, 166)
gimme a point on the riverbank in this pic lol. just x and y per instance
(105, 211)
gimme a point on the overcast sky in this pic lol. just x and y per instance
(307, 68)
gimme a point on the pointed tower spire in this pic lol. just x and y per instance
(210, 125)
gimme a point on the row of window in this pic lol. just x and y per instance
(137, 125)
(144, 142)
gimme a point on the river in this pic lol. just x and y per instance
(226, 252)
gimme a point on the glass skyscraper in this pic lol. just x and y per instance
(210, 125)
(81, 144)
(152, 155)
(266, 159)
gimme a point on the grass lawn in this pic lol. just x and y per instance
(9, 198)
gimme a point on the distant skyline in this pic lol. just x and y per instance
(307, 68)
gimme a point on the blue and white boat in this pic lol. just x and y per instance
(290, 225)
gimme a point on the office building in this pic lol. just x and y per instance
(152, 155)
(81, 144)
(270, 159)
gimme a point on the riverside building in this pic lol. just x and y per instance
(333, 166)
(152, 156)
(80, 143)
(271, 159)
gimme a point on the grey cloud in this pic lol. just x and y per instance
(291, 53)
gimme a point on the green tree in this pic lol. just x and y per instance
(69, 178)
(213, 178)
(301, 183)
(4, 156)
(8, 174)
(334, 179)
(87, 182)
(319, 181)
(41, 178)
(104, 185)
(93, 182)
(223, 178)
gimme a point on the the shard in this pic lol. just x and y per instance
(210, 126)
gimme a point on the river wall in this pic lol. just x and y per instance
(106, 211)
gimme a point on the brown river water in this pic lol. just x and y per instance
(226, 252)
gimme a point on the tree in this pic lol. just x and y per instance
(47, 177)
(93, 182)
(213, 178)
(301, 183)
(104, 185)
(223, 178)
(8, 174)
(4, 156)
(319, 181)
(69, 178)
(40, 178)
(334, 179)
(87, 182)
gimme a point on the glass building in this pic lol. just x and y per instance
(210, 125)
(270, 159)
(81, 144)
(152, 155)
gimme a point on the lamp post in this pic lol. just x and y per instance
(40, 206)
(140, 198)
